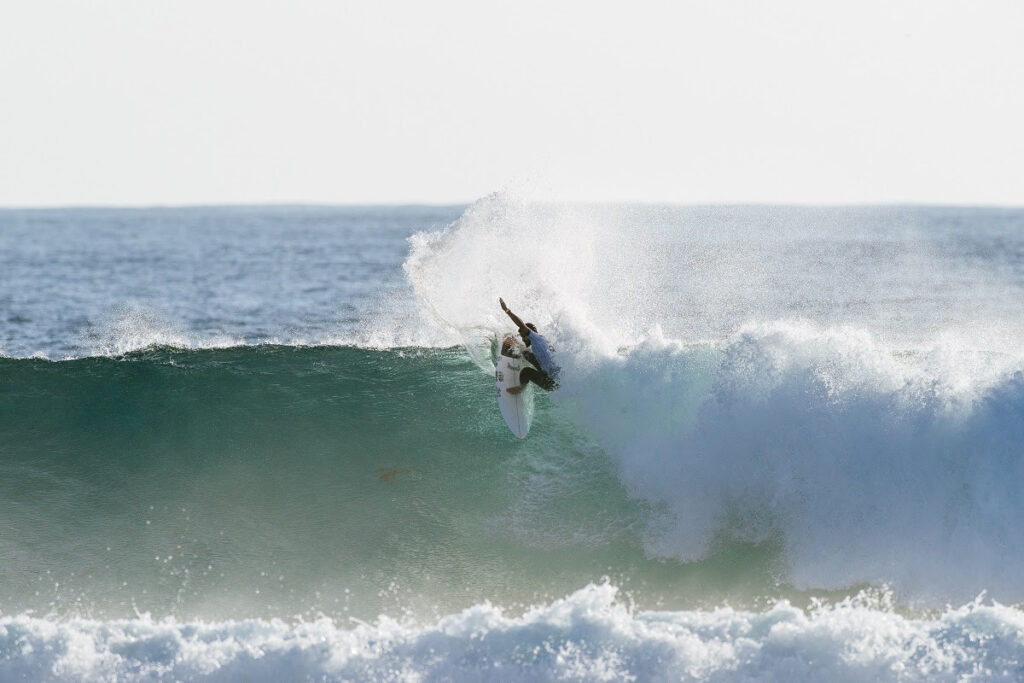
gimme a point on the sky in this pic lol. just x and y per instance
(136, 102)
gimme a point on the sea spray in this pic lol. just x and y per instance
(861, 449)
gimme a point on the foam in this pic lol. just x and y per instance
(588, 635)
(864, 464)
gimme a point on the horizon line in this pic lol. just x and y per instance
(158, 206)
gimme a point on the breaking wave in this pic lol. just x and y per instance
(588, 635)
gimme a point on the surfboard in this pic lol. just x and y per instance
(516, 409)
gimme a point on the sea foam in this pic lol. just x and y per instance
(863, 464)
(589, 635)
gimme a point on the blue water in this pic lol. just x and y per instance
(261, 443)
(86, 282)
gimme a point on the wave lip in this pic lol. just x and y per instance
(132, 328)
(589, 635)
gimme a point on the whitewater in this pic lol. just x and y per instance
(262, 443)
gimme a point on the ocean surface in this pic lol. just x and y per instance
(262, 443)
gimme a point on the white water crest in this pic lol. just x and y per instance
(588, 635)
(132, 327)
(863, 465)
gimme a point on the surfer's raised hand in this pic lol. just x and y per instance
(515, 318)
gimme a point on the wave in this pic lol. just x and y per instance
(588, 635)
(876, 441)
(698, 424)
(129, 330)
(865, 465)
(288, 480)
(845, 462)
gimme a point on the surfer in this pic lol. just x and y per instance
(538, 352)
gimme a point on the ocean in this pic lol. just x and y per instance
(262, 443)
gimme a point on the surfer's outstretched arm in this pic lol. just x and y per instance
(515, 318)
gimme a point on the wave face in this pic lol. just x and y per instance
(228, 481)
(268, 481)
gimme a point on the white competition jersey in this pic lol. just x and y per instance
(540, 348)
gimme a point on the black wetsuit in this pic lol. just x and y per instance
(535, 374)
(529, 374)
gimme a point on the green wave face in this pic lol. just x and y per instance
(278, 480)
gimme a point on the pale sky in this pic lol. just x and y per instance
(136, 102)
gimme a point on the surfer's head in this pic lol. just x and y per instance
(532, 326)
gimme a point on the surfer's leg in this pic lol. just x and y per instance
(539, 377)
(545, 382)
(542, 380)
(527, 375)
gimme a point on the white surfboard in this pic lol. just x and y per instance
(516, 409)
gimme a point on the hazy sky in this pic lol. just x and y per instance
(138, 102)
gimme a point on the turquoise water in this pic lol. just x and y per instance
(262, 443)
(268, 481)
